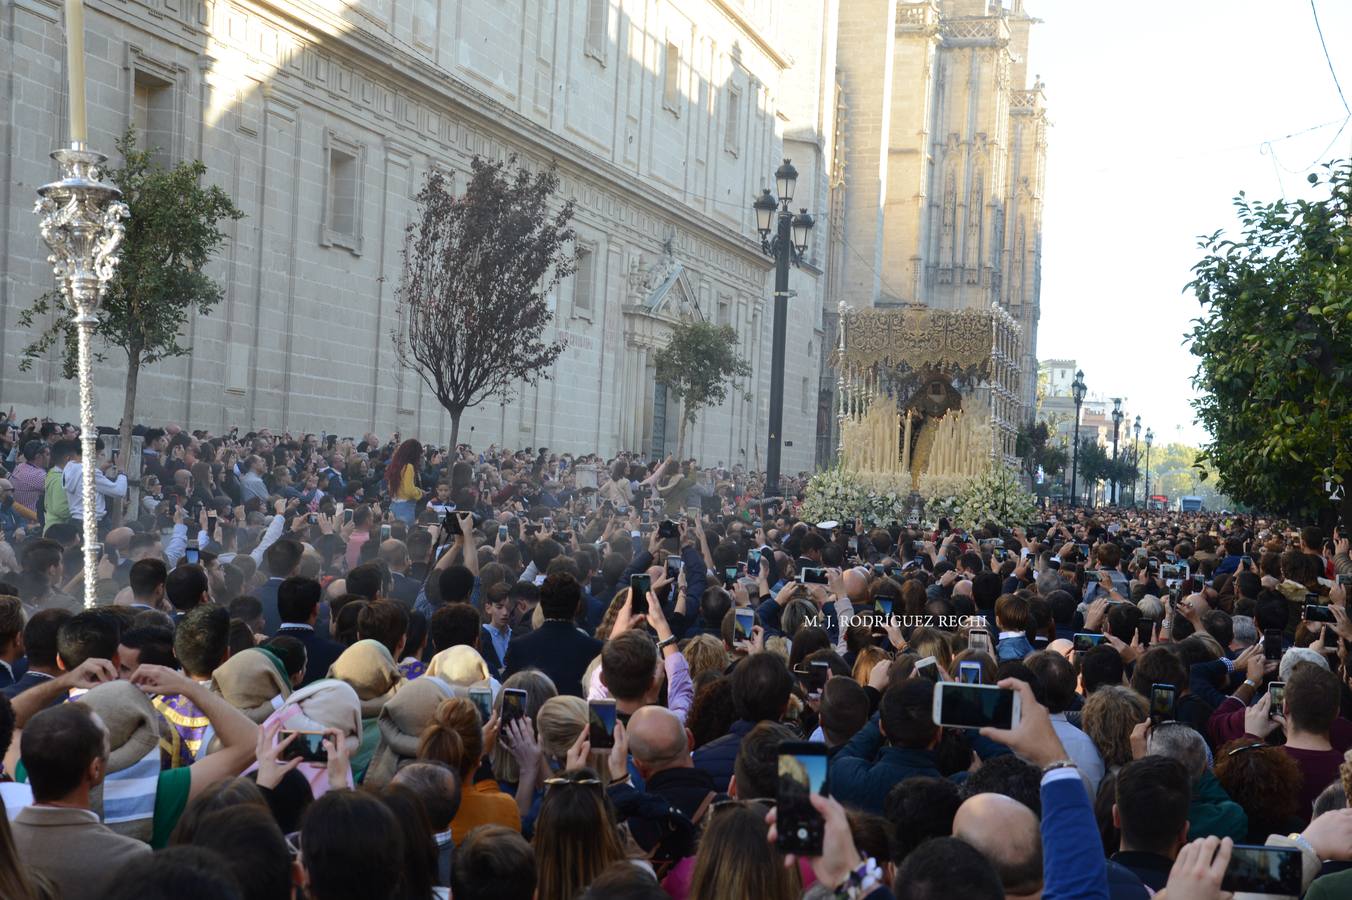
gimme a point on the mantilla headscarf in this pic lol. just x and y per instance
(370, 669)
(125, 801)
(319, 706)
(401, 722)
(460, 665)
(254, 681)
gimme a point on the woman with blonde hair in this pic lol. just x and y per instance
(562, 719)
(539, 689)
(932, 642)
(1108, 717)
(864, 662)
(704, 653)
(455, 737)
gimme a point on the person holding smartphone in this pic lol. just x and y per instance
(629, 663)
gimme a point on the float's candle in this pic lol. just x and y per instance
(75, 67)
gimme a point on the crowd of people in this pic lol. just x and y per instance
(335, 668)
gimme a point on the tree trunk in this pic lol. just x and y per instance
(124, 461)
(455, 429)
(680, 437)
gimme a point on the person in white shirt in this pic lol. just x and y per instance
(108, 482)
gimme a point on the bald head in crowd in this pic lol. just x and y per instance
(856, 585)
(658, 741)
(1007, 833)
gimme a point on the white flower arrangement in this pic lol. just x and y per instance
(997, 496)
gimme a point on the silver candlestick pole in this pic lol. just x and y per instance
(80, 218)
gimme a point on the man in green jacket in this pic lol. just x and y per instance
(56, 508)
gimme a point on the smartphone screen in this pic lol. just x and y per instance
(502, 532)
(821, 670)
(601, 724)
(813, 576)
(743, 620)
(802, 772)
(753, 562)
(307, 747)
(1276, 697)
(730, 574)
(1085, 641)
(1163, 700)
(979, 639)
(1264, 870)
(673, 566)
(513, 706)
(347, 517)
(384, 533)
(639, 585)
(1317, 612)
(1145, 628)
(482, 698)
(884, 606)
(1272, 644)
(192, 555)
(969, 672)
(974, 705)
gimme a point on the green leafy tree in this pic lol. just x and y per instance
(173, 232)
(478, 272)
(698, 366)
(1274, 350)
(1093, 465)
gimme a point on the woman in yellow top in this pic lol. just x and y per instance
(401, 477)
(456, 737)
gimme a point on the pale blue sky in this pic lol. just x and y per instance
(1161, 110)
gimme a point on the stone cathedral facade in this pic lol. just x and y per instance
(321, 119)
(944, 159)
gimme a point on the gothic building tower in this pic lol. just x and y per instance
(943, 161)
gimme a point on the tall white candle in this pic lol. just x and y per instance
(76, 69)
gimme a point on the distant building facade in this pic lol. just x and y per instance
(322, 120)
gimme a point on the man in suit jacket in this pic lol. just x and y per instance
(283, 561)
(394, 554)
(298, 606)
(558, 647)
(60, 837)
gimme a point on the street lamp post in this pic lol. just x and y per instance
(786, 247)
(80, 219)
(1077, 392)
(1117, 425)
(1149, 439)
(1136, 460)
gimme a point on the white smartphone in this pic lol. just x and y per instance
(979, 639)
(960, 705)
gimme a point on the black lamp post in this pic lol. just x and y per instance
(1136, 429)
(786, 246)
(1077, 392)
(1149, 439)
(1117, 425)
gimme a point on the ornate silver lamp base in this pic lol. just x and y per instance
(80, 217)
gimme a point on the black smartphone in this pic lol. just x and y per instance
(743, 620)
(192, 555)
(730, 574)
(883, 605)
(1163, 703)
(812, 576)
(482, 698)
(384, 533)
(312, 519)
(211, 525)
(639, 585)
(802, 772)
(1257, 869)
(673, 567)
(1246, 562)
(502, 532)
(753, 562)
(1276, 697)
(1145, 629)
(821, 670)
(307, 747)
(1272, 643)
(667, 529)
(601, 724)
(1318, 612)
(513, 706)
